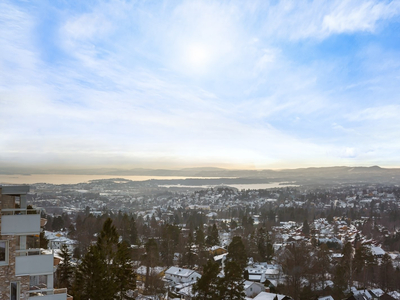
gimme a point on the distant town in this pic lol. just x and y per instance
(300, 242)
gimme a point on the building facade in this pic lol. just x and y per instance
(25, 271)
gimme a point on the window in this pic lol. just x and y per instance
(38, 282)
(3, 252)
(14, 290)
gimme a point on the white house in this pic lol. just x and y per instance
(58, 239)
(260, 272)
(326, 298)
(377, 251)
(270, 296)
(252, 289)
(180, 275)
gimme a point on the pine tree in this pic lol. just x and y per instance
(133, 233)
(200, 239)
(296, 262)
(340, 281)
(65, 269)
(107, 244)
(386, 271)
(150, 258)
(43, 241)
(347, 263)
(363, 260)
(170, 241)
(306, 228)
(213, 236)
(124, 272)
(232, 285)
(237, 252)
(89, 278)
(106, 271)
(206, 287)
(264, 245)
(322, 264)
(189, 255)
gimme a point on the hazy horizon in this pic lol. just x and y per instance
(175, 84)
(105, 171)
(262, 178)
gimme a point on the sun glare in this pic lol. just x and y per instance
(197, 57)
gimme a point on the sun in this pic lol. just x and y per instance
(197, 57)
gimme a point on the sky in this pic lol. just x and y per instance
(173, 84)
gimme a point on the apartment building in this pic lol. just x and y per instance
(26, 272)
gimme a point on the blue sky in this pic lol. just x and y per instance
(238, 84)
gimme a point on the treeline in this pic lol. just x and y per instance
(309, 268)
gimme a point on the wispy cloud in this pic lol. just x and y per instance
(317, 19)
(193, 83)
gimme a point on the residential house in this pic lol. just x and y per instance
(217, 250)
(252, 289)
(180, 275)
(271, 296)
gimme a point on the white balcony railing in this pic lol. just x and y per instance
(20, 224)
(47, 294)
(36, 264)
(21, 211)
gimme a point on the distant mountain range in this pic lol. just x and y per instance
(340, 174)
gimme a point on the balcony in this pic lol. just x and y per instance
(47, 294)
(15, 189)
(36, 264)
(18, 223)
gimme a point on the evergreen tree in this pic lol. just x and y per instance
(363, 260)
(264, 245)
(133, 233)
(202, 253)
(107, 244)
(295, 261)
(89, 278)
(306, 228)
(322, 264)
(106, 269)
(207, 286)
(200, 239)
(150, 258)
(340, 281)
(231, 287)
(124, 273)
(65, 269)
(386, 272)
(237, 252)
(213, 237)
(189, 257)
(58, 223)
(43, 241)
(170, 240)
(347, 263)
